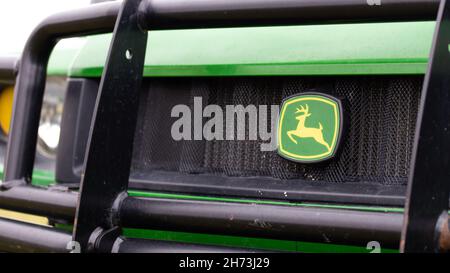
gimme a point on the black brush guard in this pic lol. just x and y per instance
(104, 207)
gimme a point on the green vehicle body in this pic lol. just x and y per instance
(356, 49)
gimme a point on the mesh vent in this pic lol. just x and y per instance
(381, 115)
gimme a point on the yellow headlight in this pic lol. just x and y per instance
(6, 106)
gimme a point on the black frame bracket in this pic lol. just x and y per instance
(107, 169)
(428, 192)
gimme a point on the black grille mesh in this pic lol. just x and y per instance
(381, 114)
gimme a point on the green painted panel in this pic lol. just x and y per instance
(340, 49)
(246, 242)
(41, 178)
(63, 55)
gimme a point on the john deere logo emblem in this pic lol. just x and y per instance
(309, 127)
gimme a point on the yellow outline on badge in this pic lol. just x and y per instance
(335, 134)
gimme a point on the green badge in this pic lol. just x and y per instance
(309, 128)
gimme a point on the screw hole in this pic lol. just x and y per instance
(128, 54)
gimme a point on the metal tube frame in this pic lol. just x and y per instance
(264, 221)
(8, 70)
(54, 202)
(103, 206)
(22, 237)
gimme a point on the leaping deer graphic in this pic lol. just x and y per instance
(304, 132)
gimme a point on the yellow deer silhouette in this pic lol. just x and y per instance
(304, 132)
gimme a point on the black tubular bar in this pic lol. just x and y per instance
(221, 217)
(131, 245)
(8, 70)
(22, 237)
(17, 236)
(178, 14)
(267, 221)
(61, 204)
(30, 83)
(52, 202)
